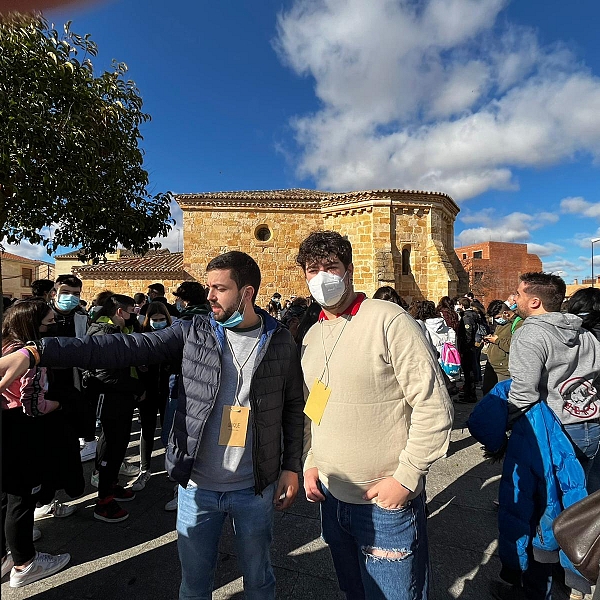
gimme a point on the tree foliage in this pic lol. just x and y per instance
(70, 155)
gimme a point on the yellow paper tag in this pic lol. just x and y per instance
(234, 425)
(317, 401)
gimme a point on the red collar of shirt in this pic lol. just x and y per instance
(351, 310)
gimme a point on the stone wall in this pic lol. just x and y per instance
(128, 287)
(208, 233)
(379, 224)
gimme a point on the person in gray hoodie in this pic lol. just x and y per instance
(554, 359)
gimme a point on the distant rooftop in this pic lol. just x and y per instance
(161, 264)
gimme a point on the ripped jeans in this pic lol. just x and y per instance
(378, 554)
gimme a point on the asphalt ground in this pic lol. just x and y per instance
(137, 559)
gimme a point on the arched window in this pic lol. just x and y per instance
(406, 261)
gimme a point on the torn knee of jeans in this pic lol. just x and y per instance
(384, 553)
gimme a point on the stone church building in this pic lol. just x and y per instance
(404, 239)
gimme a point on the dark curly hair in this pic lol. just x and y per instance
(320, 245)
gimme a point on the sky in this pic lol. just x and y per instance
(493, 102)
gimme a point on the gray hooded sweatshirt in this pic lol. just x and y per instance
(552, 357)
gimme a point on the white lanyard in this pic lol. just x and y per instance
(328, 358)
(236, 363)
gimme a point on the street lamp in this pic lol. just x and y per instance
(594, 241)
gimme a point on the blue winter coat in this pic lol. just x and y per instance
(541, 476)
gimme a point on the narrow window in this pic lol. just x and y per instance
(406, 261)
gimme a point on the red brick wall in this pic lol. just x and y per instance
(502, 264)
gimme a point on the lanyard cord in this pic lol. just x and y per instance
(328, 358)
(236, 363)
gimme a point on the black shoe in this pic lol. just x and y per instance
(504, 591)
(462, 399)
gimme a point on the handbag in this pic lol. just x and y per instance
(577, 530)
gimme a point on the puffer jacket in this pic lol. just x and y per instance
(277, 399)
(541, 476)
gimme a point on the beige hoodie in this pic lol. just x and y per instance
(389, 413)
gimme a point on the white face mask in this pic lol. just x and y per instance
(326, 288)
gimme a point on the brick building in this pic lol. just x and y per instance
(493, 268)
(400, 238)
(19, 272)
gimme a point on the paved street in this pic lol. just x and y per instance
(137, 559)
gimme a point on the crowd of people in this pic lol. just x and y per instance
(226, 381)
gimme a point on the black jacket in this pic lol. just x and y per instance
(468, 327)
(277, 400)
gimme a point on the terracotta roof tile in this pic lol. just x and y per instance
(10, 256)
(152, 265)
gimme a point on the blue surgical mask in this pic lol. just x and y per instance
(67, 302)
(158, 324)
(236, 318)
(514, 306)
(501, 321)
(179, 306)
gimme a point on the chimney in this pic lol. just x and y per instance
(575, 282)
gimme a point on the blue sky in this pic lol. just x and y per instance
(496, 103)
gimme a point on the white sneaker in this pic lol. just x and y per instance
(43, 565)
(142, 479)
(88, 452)
(128, 469)
(54, 509)
(172, 504)
(37, 534)
(7, 564)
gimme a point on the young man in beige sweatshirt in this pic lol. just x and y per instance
(380, 415)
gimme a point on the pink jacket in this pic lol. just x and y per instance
(28, 392)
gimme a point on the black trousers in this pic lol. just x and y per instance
(21, 479)
(116, 413)
(149, 408)
(466, 360)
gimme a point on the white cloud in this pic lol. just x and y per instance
(547, 249)
(581, 207)
(429, 96)
(562, 267)
(514, 227)
(27, 250)
(173, 241)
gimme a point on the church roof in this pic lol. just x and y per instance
(297, 198)
(154, 265)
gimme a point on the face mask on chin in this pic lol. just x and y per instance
(67, 302)
(327, 289)
(236, 318)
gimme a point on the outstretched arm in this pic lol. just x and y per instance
(101, 352)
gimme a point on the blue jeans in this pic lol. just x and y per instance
(354, 531)
(200, 518)
(586, 439)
